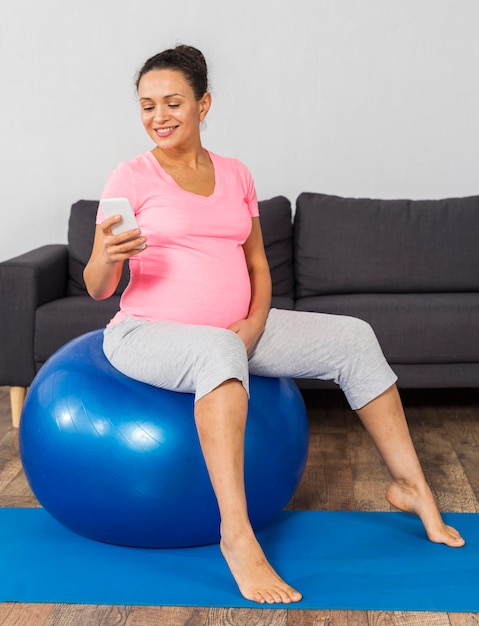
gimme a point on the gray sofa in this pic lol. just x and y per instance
(409, 268)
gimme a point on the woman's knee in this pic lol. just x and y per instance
(359, 346)
(225, 359)
(364, 332)
(227, 347)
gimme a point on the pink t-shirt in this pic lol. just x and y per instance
(194, 269)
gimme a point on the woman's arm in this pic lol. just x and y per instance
(251, 328)
(103, 271)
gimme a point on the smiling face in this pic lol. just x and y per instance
(170, 112)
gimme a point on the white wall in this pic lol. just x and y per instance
(374, 98)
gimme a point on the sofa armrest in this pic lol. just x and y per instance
(26, 282)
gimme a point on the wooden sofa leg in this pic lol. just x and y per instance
(17, 398)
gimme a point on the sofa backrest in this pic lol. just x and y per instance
(276, 224)
(349, 245)
(81, 232)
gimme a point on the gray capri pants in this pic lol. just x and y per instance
(294, 344)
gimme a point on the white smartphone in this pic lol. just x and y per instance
(120, 206)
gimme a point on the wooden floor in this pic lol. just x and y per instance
(343, 473)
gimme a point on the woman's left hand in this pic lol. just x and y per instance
(249, 331)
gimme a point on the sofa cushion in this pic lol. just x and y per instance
(61, 320)
(277, 227)
(81, 232)
(349, 245)
(412, 328)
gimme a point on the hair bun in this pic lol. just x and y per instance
(185, 59)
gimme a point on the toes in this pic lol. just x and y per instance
(288, 595)
(455, 542)
(282, 596)
(257, 597)
(277, 596)
(455, 533)
(448, 536)
(269, 597)
(291, 595)
(456, 537)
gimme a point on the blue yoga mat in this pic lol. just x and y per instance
(339, 560)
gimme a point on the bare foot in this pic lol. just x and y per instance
(256, 579)
(406, 498)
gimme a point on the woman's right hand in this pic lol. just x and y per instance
(120, 247)
(102, 273)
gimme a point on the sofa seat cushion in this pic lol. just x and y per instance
(61, 320)
(412, 328)
(350, 245)
(282, 302)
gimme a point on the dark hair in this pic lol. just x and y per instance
(185, 59)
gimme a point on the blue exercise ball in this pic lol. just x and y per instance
(119, 461)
